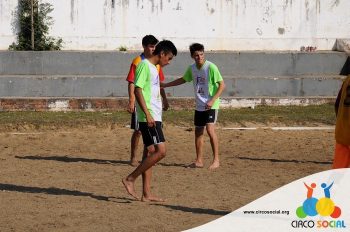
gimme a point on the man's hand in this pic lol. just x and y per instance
(165, 104)
(150, 121)
(131, 107)
(209, 105)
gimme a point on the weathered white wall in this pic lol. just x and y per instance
(219, 24)
(7, 22)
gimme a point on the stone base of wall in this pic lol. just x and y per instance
(105, 104)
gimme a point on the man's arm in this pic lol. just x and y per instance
(217, 95)
(131, 87)
(176, 82)
(131, 90)
(164, 99)
(142, 104)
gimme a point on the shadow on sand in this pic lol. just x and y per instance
(284, 161)
(59, 191)
(68, 159)
(194, 210)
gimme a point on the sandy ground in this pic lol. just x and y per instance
(70, 180)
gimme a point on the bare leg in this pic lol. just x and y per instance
(146, 183)
(130, 188)
(214, 145)
(156, 153)
(133, 147)
(146, 193)
(199, 140)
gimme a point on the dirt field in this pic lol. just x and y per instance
(70, 180)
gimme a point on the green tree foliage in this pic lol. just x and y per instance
(42, 22)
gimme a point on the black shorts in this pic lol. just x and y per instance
(202, 118)
(151, 135)
(134, 121)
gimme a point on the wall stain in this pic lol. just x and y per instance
(244, 6)
(267, 8)
(112, 18)
(281, 31)
(335, 3)
(210, 9)
(237, 9)
(138, 4)
(123, 3)
(318, 6)
(152, 2)
(287, 3)
(72, 11)
(105, 14)
(178, 7)
(259, 31)
(307, 10)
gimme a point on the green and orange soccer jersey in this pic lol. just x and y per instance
(132, 70)
(205, 83)
(147, 78)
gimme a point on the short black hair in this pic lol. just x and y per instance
(165, 46)
(196, 47)
(149, 40)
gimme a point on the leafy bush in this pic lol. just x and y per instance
(123, 48)
(42, 22)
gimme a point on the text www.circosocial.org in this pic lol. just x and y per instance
(285, 212)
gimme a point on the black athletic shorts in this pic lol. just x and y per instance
(151, 135)
(202, 118)
(134, 121)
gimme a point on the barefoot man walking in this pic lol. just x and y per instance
(149, 110)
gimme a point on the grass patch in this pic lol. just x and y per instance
(62, 119)
(286, 115)
(283, 115)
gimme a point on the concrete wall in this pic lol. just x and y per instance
(102, 74)
(219, 24)
(117, 63)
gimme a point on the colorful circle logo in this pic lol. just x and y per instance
(313, 206)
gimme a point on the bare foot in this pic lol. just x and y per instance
(195, 165)
(152, 198)
(214, 165)
(134, 163)
(129, 186)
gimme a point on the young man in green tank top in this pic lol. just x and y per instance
(208, 86)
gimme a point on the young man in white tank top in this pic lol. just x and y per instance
(208, 86)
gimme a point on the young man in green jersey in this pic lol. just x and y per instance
(149, 44)
(208, 86)
(149, 112)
